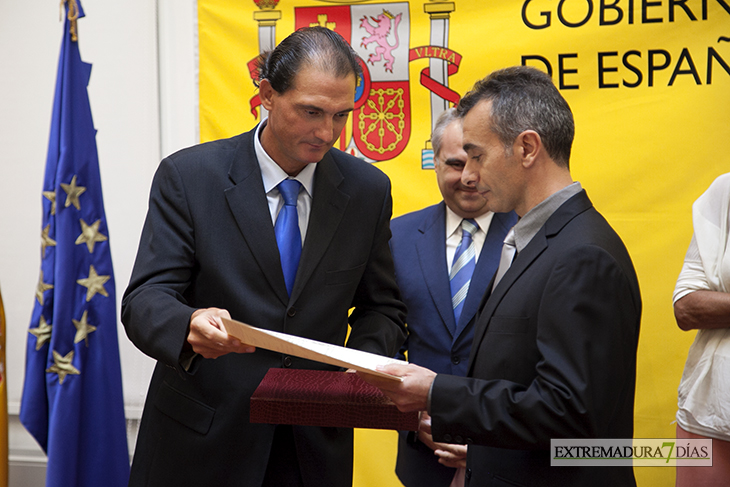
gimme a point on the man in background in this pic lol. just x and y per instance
(554, 351)
(274, 228)
(445, 255)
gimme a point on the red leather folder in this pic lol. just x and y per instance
(325, 398)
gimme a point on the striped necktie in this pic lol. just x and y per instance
(463, 266)
(288, 237)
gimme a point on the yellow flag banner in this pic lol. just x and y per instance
(648, 82)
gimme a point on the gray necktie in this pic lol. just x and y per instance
(508, 254)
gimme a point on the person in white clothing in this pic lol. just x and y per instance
(702, 302)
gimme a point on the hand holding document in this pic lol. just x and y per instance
(327, 353)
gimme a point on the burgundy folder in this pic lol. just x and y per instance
(325, 398)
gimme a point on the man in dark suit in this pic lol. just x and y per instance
(554, 352)
(212, 247)
(426, 247)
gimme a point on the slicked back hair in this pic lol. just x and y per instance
(446, 118)
(524, 98)
(308, 46)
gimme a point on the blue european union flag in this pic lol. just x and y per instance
(72, 397)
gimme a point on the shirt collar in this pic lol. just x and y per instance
(272, 174)
(453, 221)
(528, 226)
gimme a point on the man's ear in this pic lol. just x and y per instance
(528, 144)
(266, 94)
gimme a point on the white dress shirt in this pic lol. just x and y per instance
(272, 175)
(453, 234)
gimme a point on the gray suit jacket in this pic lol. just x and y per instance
(208, 241)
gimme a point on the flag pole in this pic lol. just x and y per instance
(73, 15)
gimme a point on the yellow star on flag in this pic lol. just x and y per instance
(72, 193)
(46, 241)
(41, 288)
(51, 196)
(94, 284)
(42, 333)
(90, 235)
(63, 366)
(83, 329)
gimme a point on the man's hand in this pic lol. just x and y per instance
(424, 431)
(450, 455)
(207, 337)
(411, 394)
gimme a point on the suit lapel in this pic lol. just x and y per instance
(523, 260)
(486, 266)
(431, 249)
(565, 213)
(247, 201)
(328, 208)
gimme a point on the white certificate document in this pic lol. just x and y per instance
(327, 353)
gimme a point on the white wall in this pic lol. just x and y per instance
(143, 108)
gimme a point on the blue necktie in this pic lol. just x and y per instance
(463, 266)
(288, 238)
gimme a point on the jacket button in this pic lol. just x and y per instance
(447, 438)
(459, 439)
(467, 474)
(287, 361)
(469, 441)
(455, 359)
(291, 312)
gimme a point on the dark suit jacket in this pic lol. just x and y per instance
(208, 241)
(554, 356)
(435, 340)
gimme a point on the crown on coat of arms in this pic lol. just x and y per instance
(266, 4)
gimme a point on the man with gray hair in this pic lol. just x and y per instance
(277, 229)
(445, 256)
(554, 351)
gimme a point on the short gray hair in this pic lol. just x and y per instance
(524, 98)
(446, 118)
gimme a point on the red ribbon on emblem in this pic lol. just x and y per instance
(436, 52)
